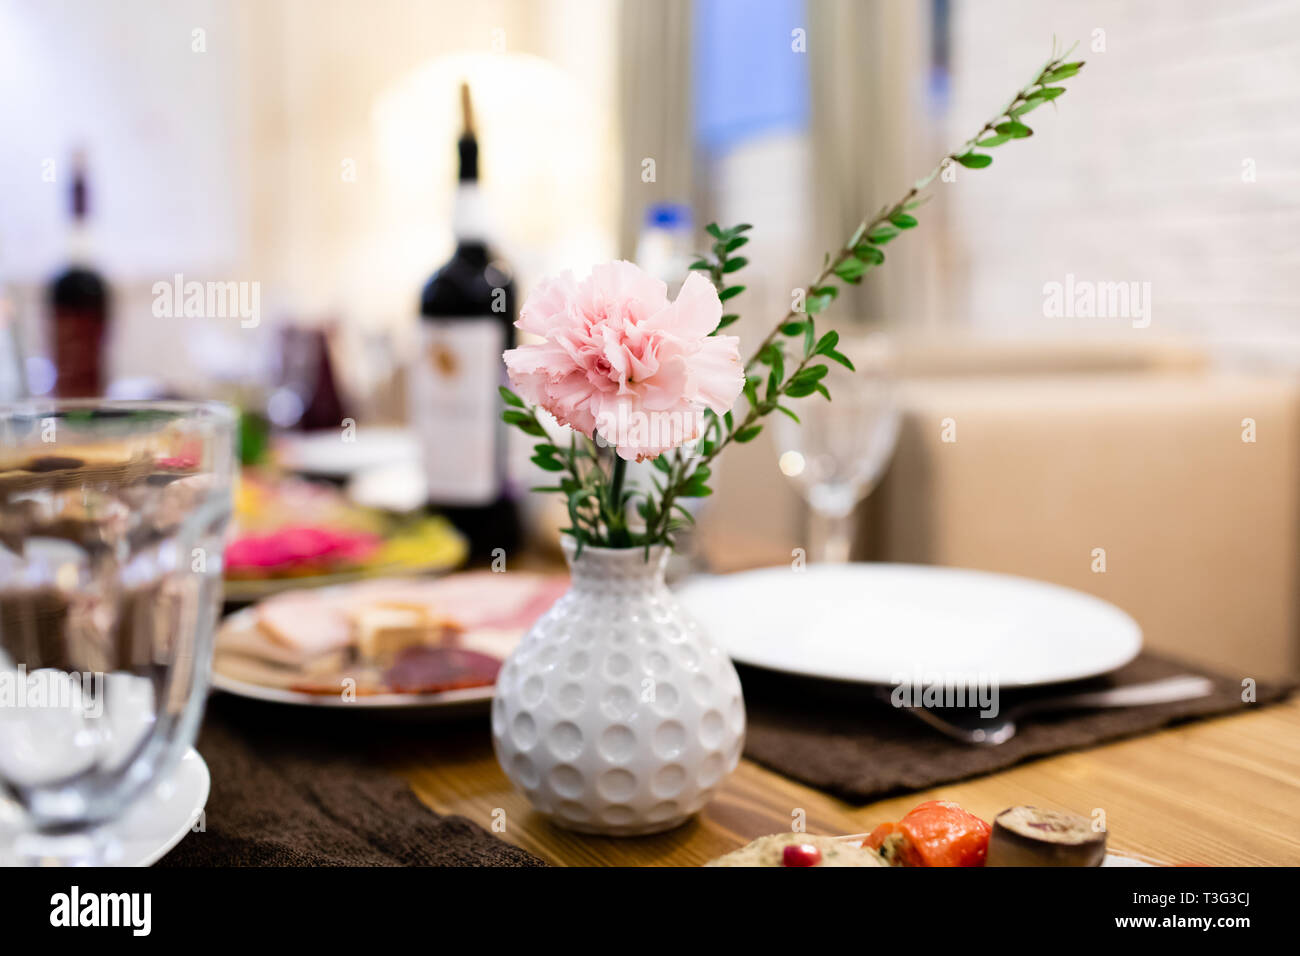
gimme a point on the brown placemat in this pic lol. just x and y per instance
(294, 789)
(840, 738)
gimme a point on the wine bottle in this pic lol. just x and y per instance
(79, 303)
(467, 314)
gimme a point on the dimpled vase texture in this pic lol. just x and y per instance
(615, 714)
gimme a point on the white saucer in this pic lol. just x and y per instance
(891, 623)
(444, 703)
(325, 455)
(157, 822)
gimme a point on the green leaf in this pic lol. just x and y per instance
(701, 264)
(806, 381)
(547, 463)
(730, 292)
(748, 434)
(1063, 72)
(1014, 130)
(735, 244)
(509, 397)
(725, 321)
(690, 518)
(662, 464)
(882, 234)
(792, 328)
(695, 489)
(815, 304)
(816, 371)
(869, 254)
(811, 373)
(975, 160)
(903, 221)
(989, 142)
(1036, 99)
(737, 230)
(786, 411)
(735, 265)
(827, 343)
(524, 422)
(850, 270)
(714, 230)
(776, 359)
(841, 358)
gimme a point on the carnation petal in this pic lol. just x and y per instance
(718, 373)
(633, 290)
(548, 305)
(696, 312)
(548, 358)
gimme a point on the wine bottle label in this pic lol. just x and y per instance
(455, 408)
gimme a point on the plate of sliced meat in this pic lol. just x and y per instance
(382, 644)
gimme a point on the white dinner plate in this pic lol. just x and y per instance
(157, 822)
(896, 623)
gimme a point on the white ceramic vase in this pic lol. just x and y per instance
(615, 714)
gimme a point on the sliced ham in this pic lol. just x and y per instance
(300, 621)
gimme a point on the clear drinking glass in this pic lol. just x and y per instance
(842, 447)
(112, 521)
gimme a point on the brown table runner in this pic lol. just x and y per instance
(305, 789)
(839, 738)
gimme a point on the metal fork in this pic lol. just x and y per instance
(969, 727)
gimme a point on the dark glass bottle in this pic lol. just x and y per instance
(467, 314)
(79, 305)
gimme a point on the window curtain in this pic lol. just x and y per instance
(655, 109)
(872, 135)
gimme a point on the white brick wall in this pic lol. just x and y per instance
(1139, 174)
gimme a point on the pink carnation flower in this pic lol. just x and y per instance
(622, 362)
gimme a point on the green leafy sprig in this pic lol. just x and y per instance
(864, 249)
(790, 363)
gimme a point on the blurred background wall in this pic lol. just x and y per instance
(308, 145)
(305, 144)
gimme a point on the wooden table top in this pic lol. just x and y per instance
(1216, 792)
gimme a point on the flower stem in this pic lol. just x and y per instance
(614, 513)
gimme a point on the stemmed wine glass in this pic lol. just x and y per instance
(840, 448)
(112, 519)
